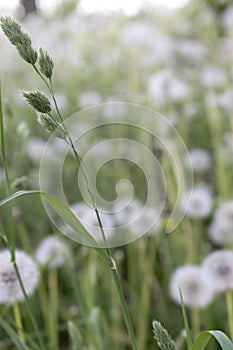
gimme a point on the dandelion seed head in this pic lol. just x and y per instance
(164, 86)
(220, 232)
(200, 160)
(218, 268)
(196, 291)
(200, 204)
(225, 212)
(10, 290)
(51, 251)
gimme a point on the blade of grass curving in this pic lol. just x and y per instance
(186, 323)
(65, 213)
(203, 339)
(14, 337)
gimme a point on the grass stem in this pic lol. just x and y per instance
(18, 321)
(229, 304)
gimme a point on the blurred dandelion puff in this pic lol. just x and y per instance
(10, 289)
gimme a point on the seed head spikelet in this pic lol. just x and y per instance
(50, 125)
(19, 38)
(38, 101)
(162, 337)
(46, 63)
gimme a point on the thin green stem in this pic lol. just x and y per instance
(53, 309)
(7, 182)
(123, 304)
(195, 322)
(18, 321)
(229, 304)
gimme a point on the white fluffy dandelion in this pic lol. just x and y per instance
(10, 290)
(225, 213)
(51, 251)
(220, 232)
(165, 86)
(199, 205)
(195, 289)
(218, 269)
(200, 160)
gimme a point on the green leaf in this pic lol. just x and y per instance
(66, 214)
(203, 339)
(14, 337)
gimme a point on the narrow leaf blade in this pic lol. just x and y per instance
(65, 213)
(203, 339)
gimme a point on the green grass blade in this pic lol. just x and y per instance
(76, 338)
(12, 334)
(203, 339)
(186, 324)
(65, 213)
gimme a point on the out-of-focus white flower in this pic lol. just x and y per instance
(127, 212)
(218, 269)
(190, 111)
(195, 289)
(227, 17)
(10, 290)
(200, 160)
(51, 251)
(225, 100)
(22, 130)
(225, 213)
(138, 218)
(220, 232)
(213, 77)
(148, 222)
(88, 219)
(138, 33)
(200, 204)
(229, 139)
(191, 50)
(165, 86)
(35, 148)
(89, 98)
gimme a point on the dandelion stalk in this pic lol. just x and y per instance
(229, 304)
(195, 322)
(53, 308)
(18, 321)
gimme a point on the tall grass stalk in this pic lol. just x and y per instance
(12, 232)
(18, 321)
(53, 309)
(111, 265)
